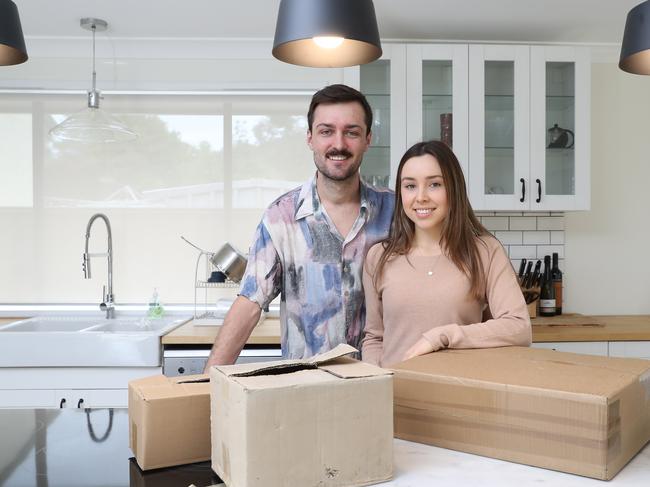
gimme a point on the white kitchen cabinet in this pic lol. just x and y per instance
(384, 84)
(502, 101)
(47, 387)
(529, 129)
(437, 87)
(630, 349)
(589, 348)
(64, 398)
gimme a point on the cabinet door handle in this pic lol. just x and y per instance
(523, 190)
(62, 403)
(81, 401)
(539, 190)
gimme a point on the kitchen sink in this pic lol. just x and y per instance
(84, 341)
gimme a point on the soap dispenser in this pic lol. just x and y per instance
(155, 308)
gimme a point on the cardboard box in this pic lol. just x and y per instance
(581, 414)
(169, 420)
(325, 421)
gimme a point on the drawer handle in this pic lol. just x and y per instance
(62, 403)
(81, 401)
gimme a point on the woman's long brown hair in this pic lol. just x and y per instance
(461, 228)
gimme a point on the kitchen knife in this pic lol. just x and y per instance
(534, 281)
(527, 274)
(522, 267)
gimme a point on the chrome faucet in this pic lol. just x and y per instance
(108, 303)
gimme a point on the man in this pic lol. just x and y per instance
(311, 242)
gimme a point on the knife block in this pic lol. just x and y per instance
(532, 306)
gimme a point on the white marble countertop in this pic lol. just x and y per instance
(418, 465)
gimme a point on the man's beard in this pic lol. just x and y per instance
(351, 171)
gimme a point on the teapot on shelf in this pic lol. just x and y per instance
(558, 138)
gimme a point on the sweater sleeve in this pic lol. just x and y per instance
(372, 345)
(510, 324)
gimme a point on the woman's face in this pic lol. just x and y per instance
(423, 193)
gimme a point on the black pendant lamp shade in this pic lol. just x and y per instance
(12, 42)
(326, 33)
(635, 51)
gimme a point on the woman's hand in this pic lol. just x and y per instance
(421, 347)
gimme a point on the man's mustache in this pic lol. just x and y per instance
(334, 153)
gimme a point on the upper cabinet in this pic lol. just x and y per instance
(516, 116)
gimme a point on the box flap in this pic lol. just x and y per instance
(348, 368)
(285, 366)
(160, 386)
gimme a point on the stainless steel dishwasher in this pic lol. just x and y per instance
(191, 359)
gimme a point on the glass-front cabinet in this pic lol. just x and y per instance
(516, 116)
(560, 128)
(383, 83)
(437, 105)
(499, 127)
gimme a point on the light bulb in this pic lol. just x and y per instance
(328, 42)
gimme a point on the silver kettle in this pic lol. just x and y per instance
(558, 138)
(229, 261)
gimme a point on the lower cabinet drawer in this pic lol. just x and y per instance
(588, 348)
(630, 349)
(64, 398)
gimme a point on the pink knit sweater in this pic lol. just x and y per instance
(429, 296)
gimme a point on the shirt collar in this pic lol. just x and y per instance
(309, 202)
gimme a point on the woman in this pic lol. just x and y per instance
(429, 283)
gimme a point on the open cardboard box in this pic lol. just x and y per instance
(580, 414)
(169, 420)
(325, 421)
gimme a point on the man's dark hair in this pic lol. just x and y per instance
(339, 94)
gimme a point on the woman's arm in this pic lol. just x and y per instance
(510, 324)
(372, 345)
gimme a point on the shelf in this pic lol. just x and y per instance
(205, 284)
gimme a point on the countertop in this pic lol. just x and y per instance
(65, 447)
(565, 328)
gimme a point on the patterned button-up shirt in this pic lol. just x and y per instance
(298, 252)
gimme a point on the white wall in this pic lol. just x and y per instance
(607, 270)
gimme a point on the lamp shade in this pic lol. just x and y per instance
(326, 33)
(635, 51)
(12, 42)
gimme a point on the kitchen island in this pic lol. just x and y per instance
(90, 447)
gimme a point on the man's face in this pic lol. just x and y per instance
(338, 139)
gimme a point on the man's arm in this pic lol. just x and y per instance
(237, 327)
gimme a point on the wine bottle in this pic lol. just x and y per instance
(547, 291)
(556, 277)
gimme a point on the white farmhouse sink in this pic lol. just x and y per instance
(84, 341)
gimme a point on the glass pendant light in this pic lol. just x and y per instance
(12, 42)
(93, 124)
(326, 33)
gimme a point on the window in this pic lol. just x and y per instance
(203, 166)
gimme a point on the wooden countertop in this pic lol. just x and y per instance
(265, 333)
(582, 328)
(565, 328)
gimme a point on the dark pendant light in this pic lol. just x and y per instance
(326, 33)
(12, 42)
(635, 51)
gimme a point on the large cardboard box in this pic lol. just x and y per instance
(169, 420)
(326, 421)
(581, 414)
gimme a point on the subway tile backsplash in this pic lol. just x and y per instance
(527, 235)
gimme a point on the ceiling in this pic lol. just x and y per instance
(529, 21)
